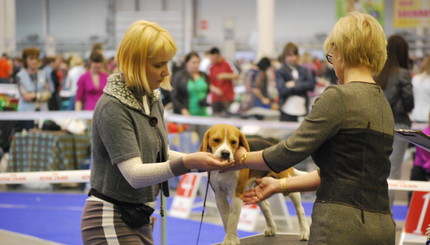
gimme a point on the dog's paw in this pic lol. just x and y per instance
(269, 231)
(231, 239)
(304, 234)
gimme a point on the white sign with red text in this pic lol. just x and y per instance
(248, 217)
(185, 195)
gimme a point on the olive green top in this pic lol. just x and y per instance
(349, 134)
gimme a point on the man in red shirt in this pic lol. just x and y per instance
(221, 77)
(5, 69)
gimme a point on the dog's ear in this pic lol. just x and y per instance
(243, 141)
(205, 142)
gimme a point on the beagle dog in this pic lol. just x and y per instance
(223, 140)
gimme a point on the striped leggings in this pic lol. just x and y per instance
(101, 223)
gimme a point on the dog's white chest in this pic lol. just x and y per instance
(225, 182)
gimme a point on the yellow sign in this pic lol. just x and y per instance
(411, 13)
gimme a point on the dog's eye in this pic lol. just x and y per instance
(217, 140)
(233, 142)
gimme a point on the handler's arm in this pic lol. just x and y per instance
(305, 182)
(268, 186)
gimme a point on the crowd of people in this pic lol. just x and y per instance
(348, 129)
(41, 79)
(205, 85)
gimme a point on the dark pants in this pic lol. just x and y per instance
(220, 109)
(288, 118)
(418, 174)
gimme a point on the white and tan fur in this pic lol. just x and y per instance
(223, 140)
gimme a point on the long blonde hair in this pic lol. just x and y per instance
(143, 40)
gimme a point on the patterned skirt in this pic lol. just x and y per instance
(101, 223)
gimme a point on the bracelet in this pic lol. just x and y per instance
(243, 158)
(284, 190)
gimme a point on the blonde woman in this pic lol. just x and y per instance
(76, 70)
(349, 134)
(131, 157)
(421, 88)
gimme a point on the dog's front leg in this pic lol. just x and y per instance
(270, 223)
(304, 227)
(231, 237)
(223, 207)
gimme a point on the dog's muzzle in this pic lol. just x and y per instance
(225, 155)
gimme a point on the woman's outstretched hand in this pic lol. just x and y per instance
(205, 161)
(264, 189)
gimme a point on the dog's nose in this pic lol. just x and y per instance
(225, 155)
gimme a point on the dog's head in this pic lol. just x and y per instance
(223, 140)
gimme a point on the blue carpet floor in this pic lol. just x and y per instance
(56, 217)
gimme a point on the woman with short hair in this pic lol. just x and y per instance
(349, 134)
(131, 156)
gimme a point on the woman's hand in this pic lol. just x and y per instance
(264, 189)
(290, 84)
(239, 153)
(204, 161)
(216, 90)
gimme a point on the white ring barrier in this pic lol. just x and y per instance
(40, 115)
(408, 185)
(69, 176)
(73, 176)
(169, 117)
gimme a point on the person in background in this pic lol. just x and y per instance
(111, 65)
(91, 84)
(16, 64)
(205, 63)
(221, 76)
(190, 88)
(5, 69)
(260, 84)
(33, 85)
(47, 66)
(349, 134)
(97, 48)
(131, 157)
(421, 166)
(421, 90)
(395, 80)
(307, 61)
(57, 76)
(293, 82)
(77, 69)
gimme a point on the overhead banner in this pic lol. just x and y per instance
(411, 13)
(372, 7)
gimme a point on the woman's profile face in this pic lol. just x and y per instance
(157, 69)
(337, 66)
(192, 65)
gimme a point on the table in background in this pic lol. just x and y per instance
(47, 151)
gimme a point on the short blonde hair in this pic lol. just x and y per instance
(360, 40)
(143, 40)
